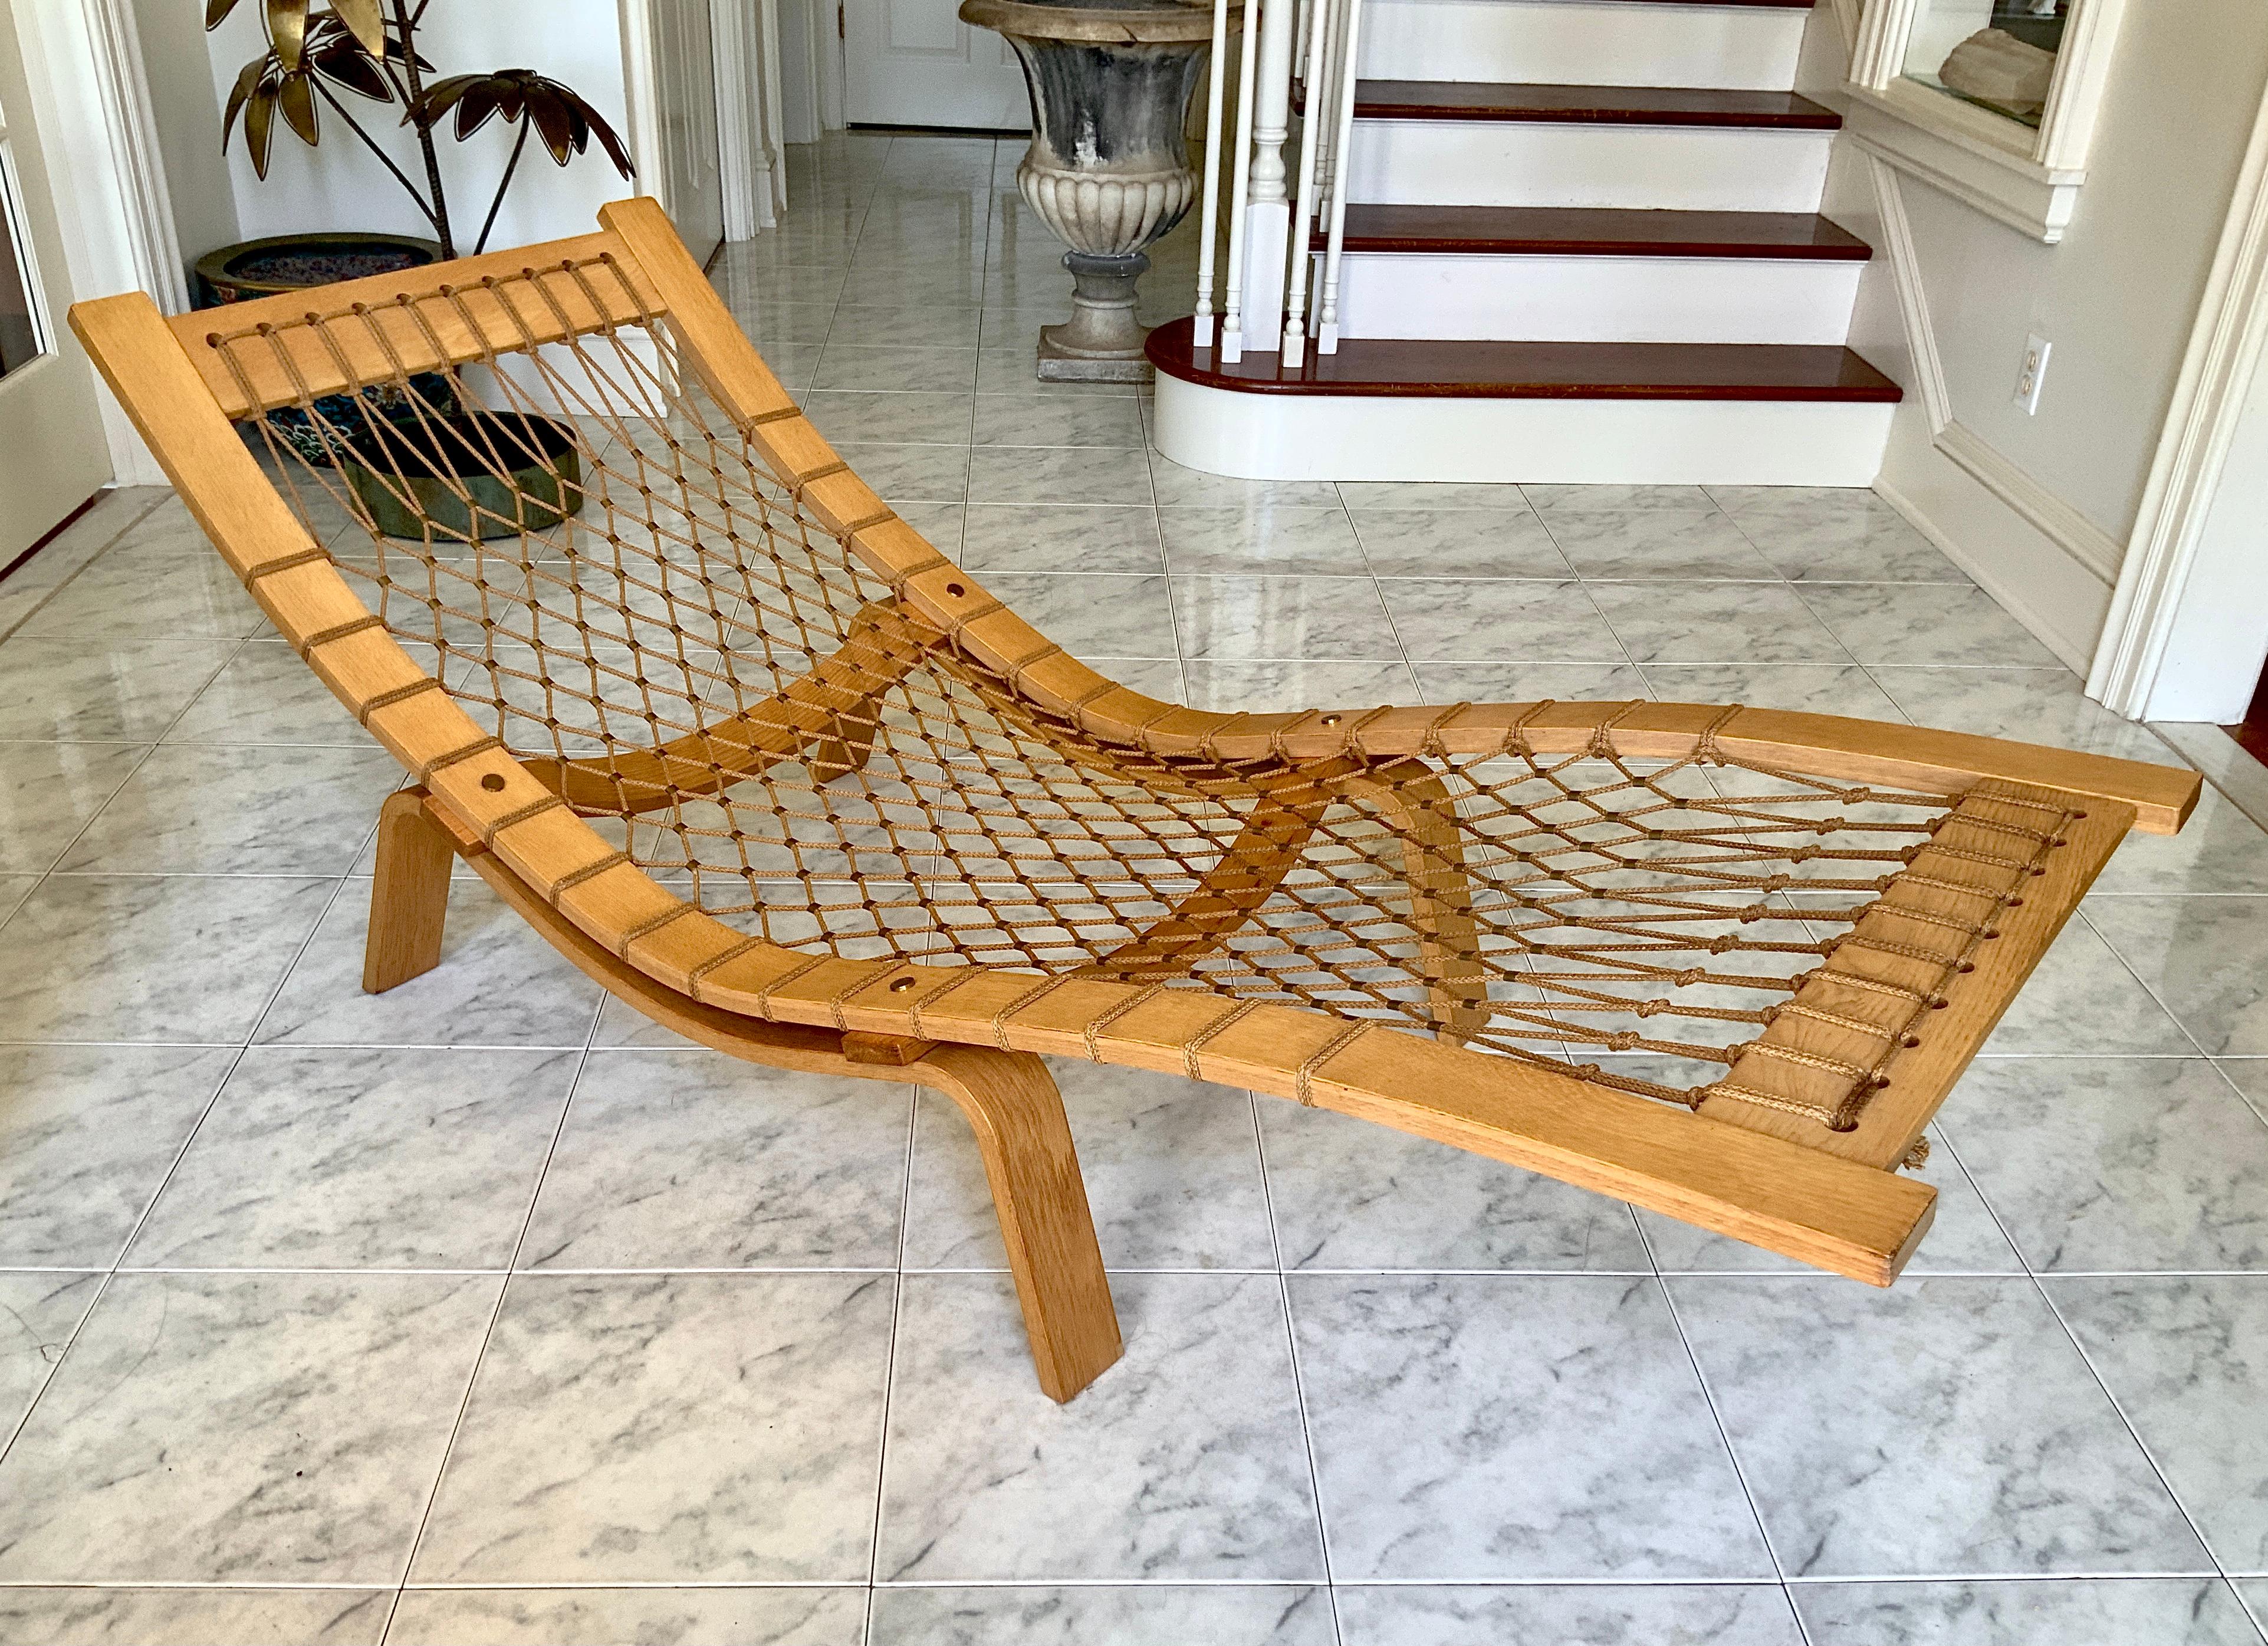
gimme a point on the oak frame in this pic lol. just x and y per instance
(1832, 1199)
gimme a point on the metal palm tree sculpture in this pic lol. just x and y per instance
(369, 47)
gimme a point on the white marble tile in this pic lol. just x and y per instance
(1715, 622)
(2082, 999)
(1058, 474)
(1011, 367)
(256, 811)
(166, 1617)
(1285, 687)
(935, 419)
(39, 1311)
(939, 371)
(267, 695)
(1457, 542)
(163, 958)
(668, 1429)
(242, 1429)
(1060, 537)
(1924, 623)
(1179, 487)
(2206, 957)
(1580, 499)
(356, 1159)
(2115, 1163)
(1646, 543)
(1421, 494)
(894, 326)
(87, 1136)
(1806, 688)
(1455, 620)
(1022, 420)
(1948, 1426)
(1282, 617)
(73, 688)
(1148, 1614)
(1601, 1614)
(1544, 1427)
(1963, 1237)
(2186, 1358)
(1831, 534)
(498, 985)
(49, 791)
(150, 588)
(690, 1160)
(1184, 1460)
(2036, 705)
(1261, 540)
(604, 1617)
(1349, 1194)
(1171, 1168)
(1091, 615)
(2163, 1611)
(1531, 683)
(909, 473)
(2219, 850)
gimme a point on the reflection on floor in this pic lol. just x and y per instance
(556, 1331)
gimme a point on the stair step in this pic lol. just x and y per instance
(1590, 105)
(1591, 42)
(1465, 369)
(1597, 231)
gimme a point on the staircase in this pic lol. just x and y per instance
(1594, 255)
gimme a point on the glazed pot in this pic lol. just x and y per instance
(293, 262)
(442, 462)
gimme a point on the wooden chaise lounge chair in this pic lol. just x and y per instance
(748, 749)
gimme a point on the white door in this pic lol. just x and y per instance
(685, 67)
(52, 454)
(914, 63)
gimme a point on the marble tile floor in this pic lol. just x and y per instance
(483, 1312)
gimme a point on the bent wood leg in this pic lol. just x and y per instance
(1008, 1097)
(1440, 892)
(410, 899)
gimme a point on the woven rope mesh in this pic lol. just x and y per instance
(726, 691)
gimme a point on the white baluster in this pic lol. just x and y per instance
(1209, 218)
(1295, 305)
(1323, 94)
(1240, 163)
(1269, 216)
(1327, 338)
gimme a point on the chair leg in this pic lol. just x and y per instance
(409, 899)
(1012, 1102)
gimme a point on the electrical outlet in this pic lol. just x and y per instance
(2034, 374)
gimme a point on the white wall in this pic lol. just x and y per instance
(2047, 525)
(186, 110)
(340, 186)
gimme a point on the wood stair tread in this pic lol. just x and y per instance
(1590, 105)
(1462, 369)
(1589, 231)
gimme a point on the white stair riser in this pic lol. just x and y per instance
(1562, 42)
(1595, 300)
(1509, 163)
(1568, 442)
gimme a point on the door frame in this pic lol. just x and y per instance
(91, 105)
(2174, 646)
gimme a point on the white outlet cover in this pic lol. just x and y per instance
(2032, 375)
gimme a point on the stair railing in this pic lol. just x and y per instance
(1272, 268)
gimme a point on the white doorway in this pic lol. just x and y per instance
(53, 452)
(914, 63)
(685, 105)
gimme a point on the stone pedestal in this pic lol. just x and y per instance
(1108, 171)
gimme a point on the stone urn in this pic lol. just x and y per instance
(1108, 170)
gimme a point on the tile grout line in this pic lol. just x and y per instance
(1724, 1435)
(1298, 1382)
(2133, 1434)
(496, 1313)
(100, 550)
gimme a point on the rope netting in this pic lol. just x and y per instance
(595, 563)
